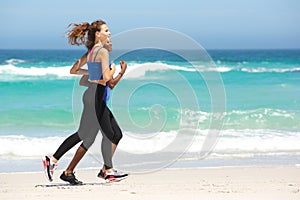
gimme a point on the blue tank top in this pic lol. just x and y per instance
(95, 73)
(106, 94)
(94, 68)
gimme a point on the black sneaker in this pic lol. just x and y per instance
(70, 178)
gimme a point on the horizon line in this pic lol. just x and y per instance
(71, 49)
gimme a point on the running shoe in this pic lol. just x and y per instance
(49, 167)
(70, 178)
(114, 176)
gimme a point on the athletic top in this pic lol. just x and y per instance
(94, 68)
(106, 93)
(95, 73)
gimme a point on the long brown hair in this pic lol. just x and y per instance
(84, 33)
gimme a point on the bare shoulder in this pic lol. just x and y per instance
(101, 53)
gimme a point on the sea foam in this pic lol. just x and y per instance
(238, 142)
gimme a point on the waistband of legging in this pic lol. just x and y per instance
(95, 85)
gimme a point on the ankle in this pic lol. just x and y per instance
(103, 168)
(109, 170)
(68, 172)
(54, 160)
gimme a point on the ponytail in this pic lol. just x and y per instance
(76, 35)
(84, 33)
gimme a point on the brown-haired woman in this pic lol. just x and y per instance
(96, 115)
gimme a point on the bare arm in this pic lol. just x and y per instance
(76, 67)
(106, 70)
(114, 81)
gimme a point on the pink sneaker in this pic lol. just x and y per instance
(114, 176)
(49, 167)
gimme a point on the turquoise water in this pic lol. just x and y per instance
(41, 102)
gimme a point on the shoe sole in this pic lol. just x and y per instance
(71, 183)
(114, 179)
(81, 183)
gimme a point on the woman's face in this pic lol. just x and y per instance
(104, 34)
(108, 45)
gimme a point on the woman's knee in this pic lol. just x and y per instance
(118, 137)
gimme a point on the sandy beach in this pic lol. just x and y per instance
(243, 182)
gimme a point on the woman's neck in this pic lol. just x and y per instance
(99, 43)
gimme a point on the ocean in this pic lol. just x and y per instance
(161, 98)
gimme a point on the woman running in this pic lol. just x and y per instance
(96, 115)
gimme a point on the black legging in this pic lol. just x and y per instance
(67, 144)
(74, 139)
(95, 114)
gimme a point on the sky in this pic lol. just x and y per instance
(214, 24)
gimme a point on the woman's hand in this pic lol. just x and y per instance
(123, 65)
(113, 82)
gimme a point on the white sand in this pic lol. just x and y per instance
(257, 182)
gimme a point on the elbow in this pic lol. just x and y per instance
(74, 69)
(111, 85)
(72, 72)
(84, 84)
